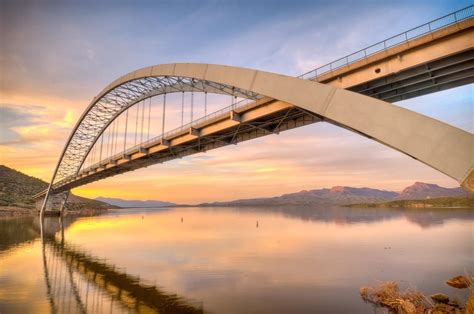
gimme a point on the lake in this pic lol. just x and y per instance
(229, 260)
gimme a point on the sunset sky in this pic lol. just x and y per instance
(57, 55)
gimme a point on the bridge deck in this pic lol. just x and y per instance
(437, 61)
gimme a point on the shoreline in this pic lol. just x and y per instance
(7, 212)
(18, 212)
(15, 212)
(442, 202)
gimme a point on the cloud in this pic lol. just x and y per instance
(13, 117)
(24, 124)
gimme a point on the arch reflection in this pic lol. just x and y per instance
(78, 282)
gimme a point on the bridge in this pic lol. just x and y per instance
(114, 134)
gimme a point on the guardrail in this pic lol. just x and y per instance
(401, 38)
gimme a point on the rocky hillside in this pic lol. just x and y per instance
(17, 189)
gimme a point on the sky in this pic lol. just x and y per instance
(57, 55)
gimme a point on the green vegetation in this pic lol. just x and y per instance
(441, 202)
(17, 190)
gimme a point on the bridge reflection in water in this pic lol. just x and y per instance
(78, 282)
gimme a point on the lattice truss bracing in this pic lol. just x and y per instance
(102, 112)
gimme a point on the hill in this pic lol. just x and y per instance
(134, 203)
(420, 190)
(344, 195)
(17, 189)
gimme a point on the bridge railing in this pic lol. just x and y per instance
(401, 38)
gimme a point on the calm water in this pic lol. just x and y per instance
(193, 260)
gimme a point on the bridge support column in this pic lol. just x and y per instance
(63, 202)
(54, 202)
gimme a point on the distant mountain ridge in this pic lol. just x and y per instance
(344, 195)
(133, 203)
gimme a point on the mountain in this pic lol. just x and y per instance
(338, 195)
(17, 189)
(420, 190)
(133, 203)
(344, 195)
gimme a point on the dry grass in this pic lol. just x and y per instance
(469, 308)
(388, 294)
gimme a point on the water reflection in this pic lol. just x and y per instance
(424, 218)
(79, 282)
(16, 231)
(232, 260)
